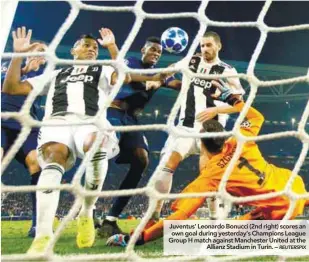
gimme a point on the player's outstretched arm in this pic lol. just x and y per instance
(160, 78)
(144, 78)
(212, 112)
(108, 41)
(170, 81)
(21, 43)
(115, 77)
(255, 119)
(172, 84)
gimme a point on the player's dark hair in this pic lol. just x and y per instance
(85, 36)
(214, 35)
(213, 145)
(153, 39)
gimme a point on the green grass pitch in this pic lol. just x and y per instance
(14, 240)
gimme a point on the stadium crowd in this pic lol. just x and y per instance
(17, 205)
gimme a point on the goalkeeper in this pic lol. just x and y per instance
(252, 175)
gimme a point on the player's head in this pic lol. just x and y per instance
(213, 145)
(210, 45)
(151, 51)
(85, 48)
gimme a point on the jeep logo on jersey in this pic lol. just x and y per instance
(201, 82)
(82, 77)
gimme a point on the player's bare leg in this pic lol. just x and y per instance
(32, 162)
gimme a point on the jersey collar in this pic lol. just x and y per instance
(217, 61)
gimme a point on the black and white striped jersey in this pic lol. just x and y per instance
(198, 97)
(78, 89)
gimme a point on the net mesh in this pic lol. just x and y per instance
(182, 66)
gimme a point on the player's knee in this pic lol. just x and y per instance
(55, 153)
(90, 140)
(174, 161)
(32, 162)
(140, 158)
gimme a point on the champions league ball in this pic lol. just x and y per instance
(174, 40)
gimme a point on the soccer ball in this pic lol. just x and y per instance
(174, 40)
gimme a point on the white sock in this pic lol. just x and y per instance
(47, 200)
(95, 175)
(164, 185)
(211, 203)
(111, 218)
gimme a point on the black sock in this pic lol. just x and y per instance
(34, 182)
(131, 181)
(140, 240)
(110, 222)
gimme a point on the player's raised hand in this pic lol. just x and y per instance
(21, 40)
(107, 37)
(33, 65)
(207, 114)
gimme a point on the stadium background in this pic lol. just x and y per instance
(284, 55)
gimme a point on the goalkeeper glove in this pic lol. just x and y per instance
(118, 240)
(123, 240)
(226, 93)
